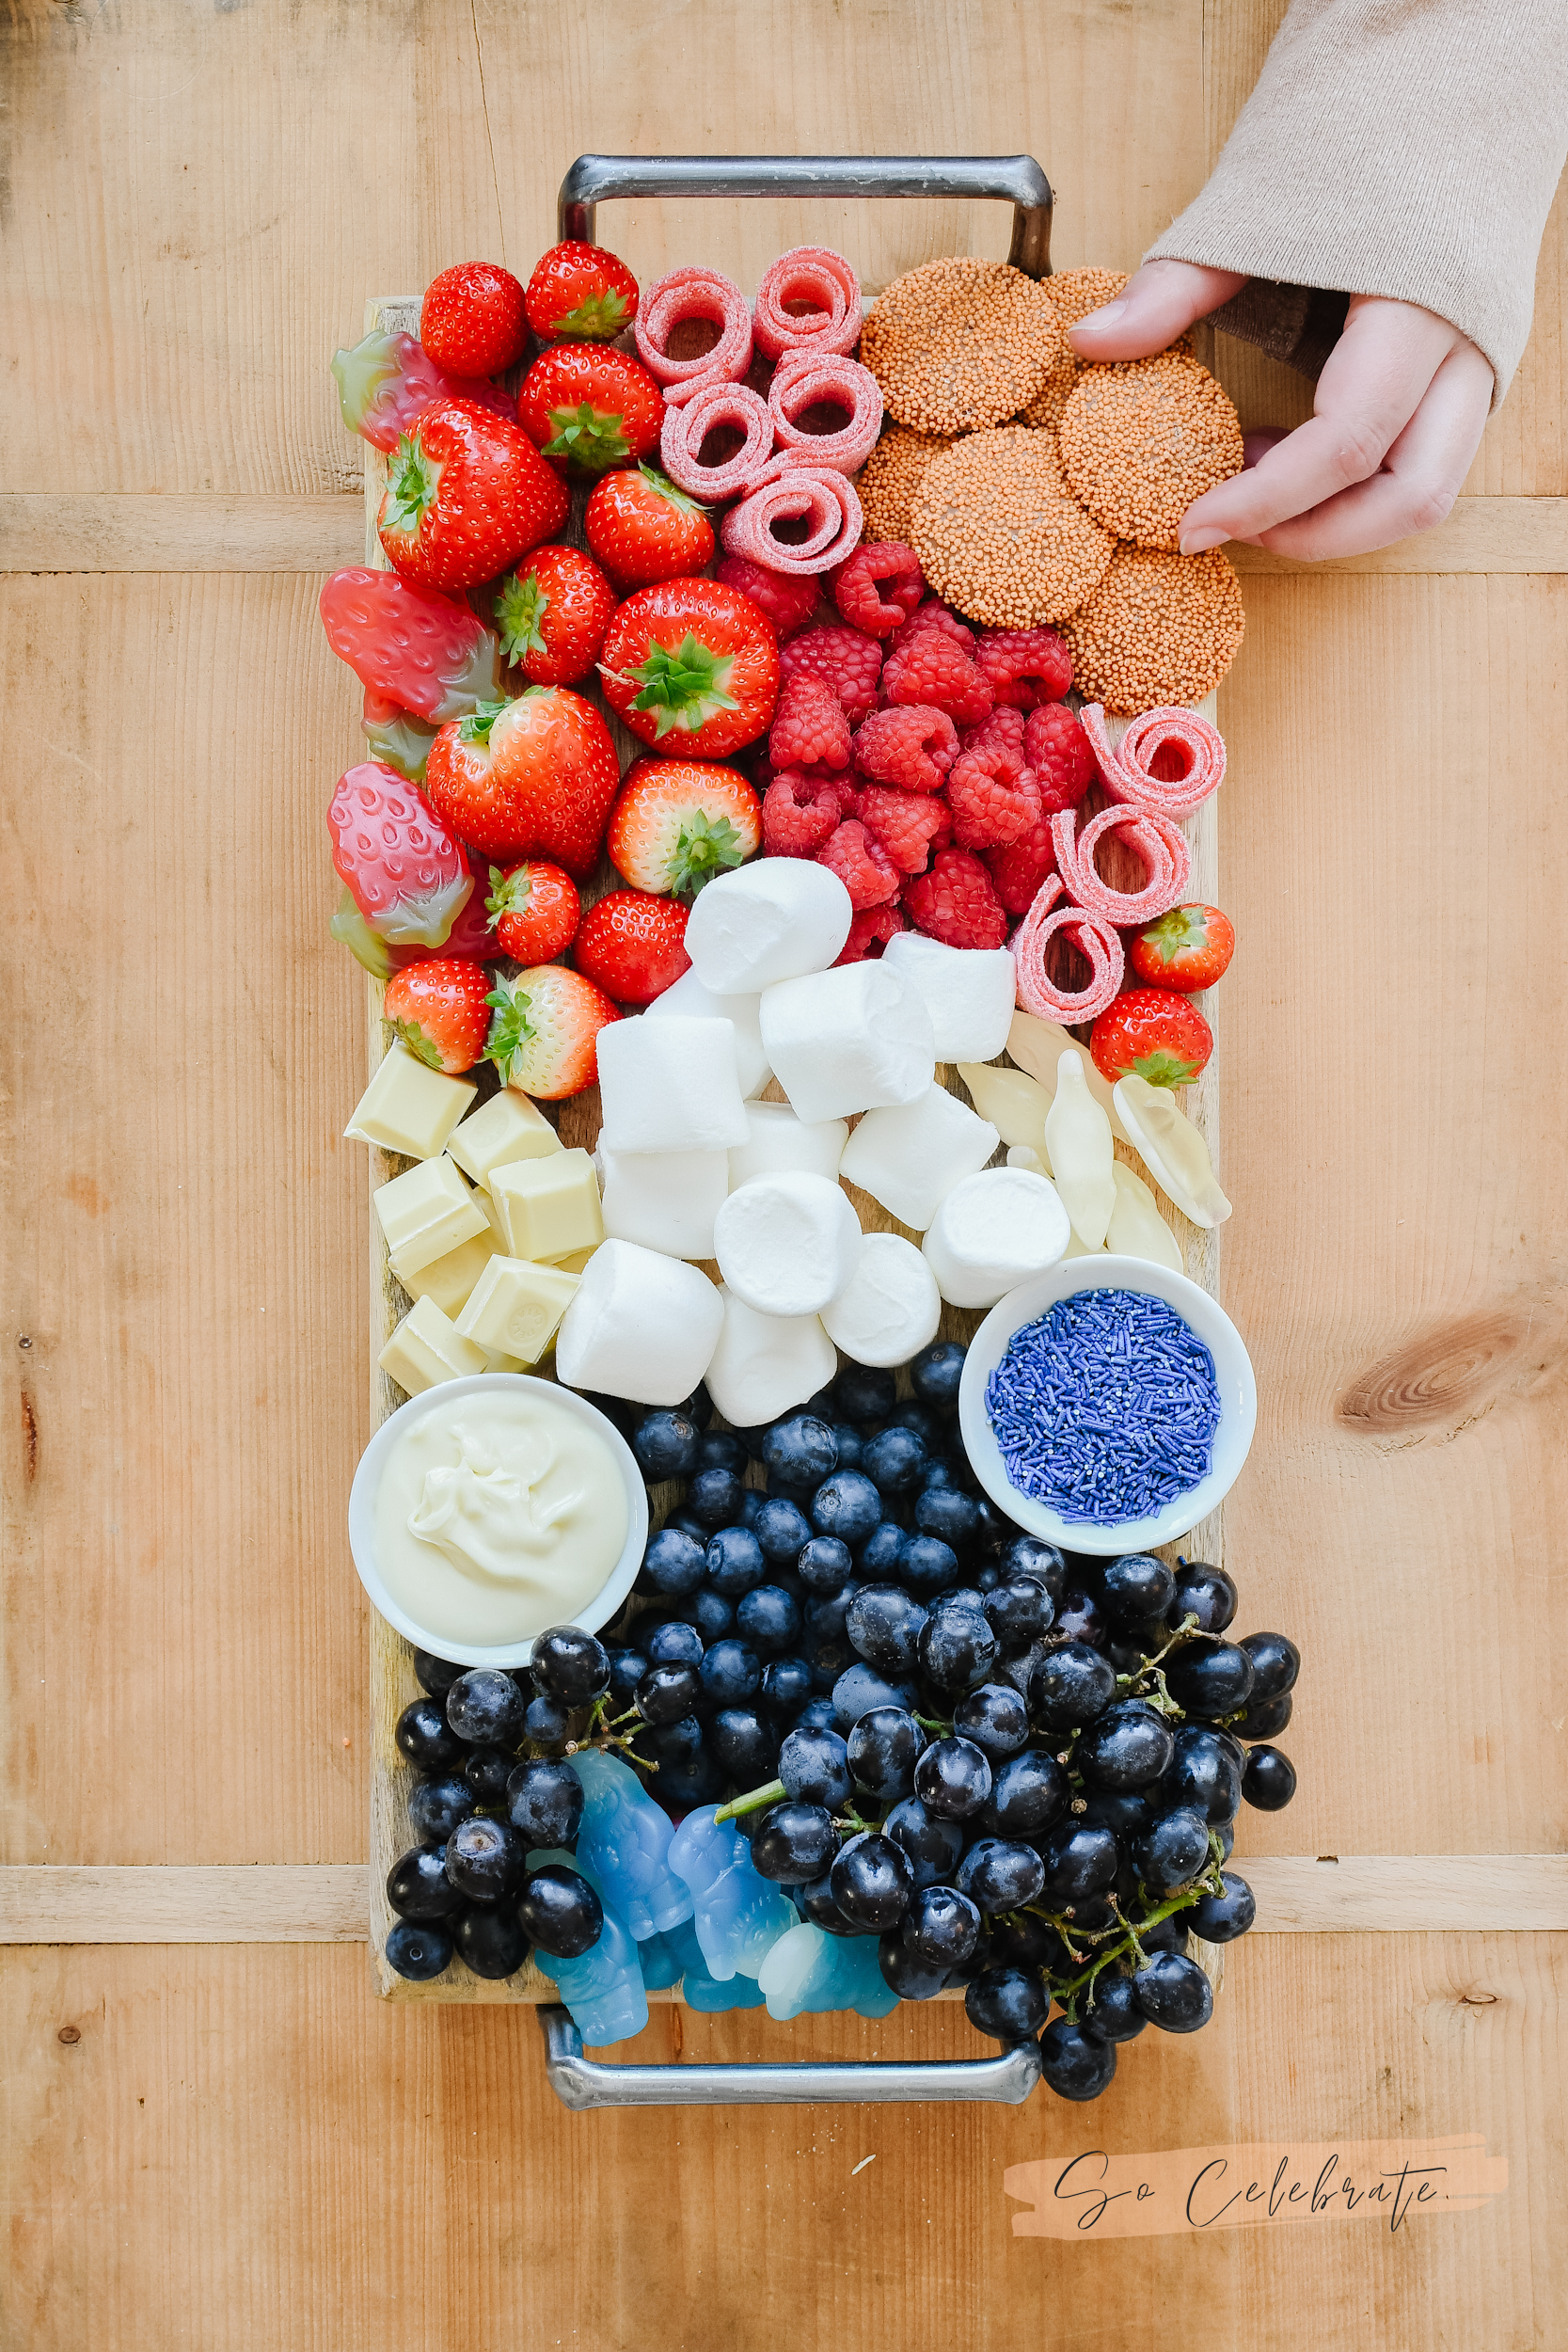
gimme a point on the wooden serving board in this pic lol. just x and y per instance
(393, 1683)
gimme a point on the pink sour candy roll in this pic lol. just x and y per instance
(792, 491)
(387, 381)
(1095, 939)
(1160, 843)
(803, 378)
(1169, 737)
(809, 273)
(686, 425)
(695, 294)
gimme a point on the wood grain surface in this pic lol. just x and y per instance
(239, 2145)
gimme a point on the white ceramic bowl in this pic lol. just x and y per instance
(361, 1517)
(1234, 1372)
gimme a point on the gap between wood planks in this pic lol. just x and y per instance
(186, 533)
(328, 1903)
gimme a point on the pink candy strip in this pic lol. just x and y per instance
(1126, 765)
(1096, 939)
(800, 380)
(687, 424)
(695, 294)
(788, 490)
(809, 273)
(1160, 843)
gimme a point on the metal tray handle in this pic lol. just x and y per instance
(1017, 180)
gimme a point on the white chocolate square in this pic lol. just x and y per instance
(425, 1212)
(549, 1208)
(516, 1307)
(408, 1107)
(450, 1279)
(575, 1263)
(426, 1349)
(508, 1127)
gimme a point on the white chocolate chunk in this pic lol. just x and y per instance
(426, 1212)
(548, 1207)
(516, 1307)
(409, 1107)
(426, 1349)
(508, 1127)
(450, 1279)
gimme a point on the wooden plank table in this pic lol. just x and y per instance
(220, 2138)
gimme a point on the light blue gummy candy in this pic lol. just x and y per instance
(739, 1915)
(602, 1987)
(808, 1969)
(661, 1963)
(622, 1842)
(698, 1989)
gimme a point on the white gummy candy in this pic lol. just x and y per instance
(1136, 1229)
(1078, 1138)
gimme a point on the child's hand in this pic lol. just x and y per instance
(1400, 409)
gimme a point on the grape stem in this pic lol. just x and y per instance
(774, 1792)
(1067, 1994)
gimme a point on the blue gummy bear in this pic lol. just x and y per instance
(815, 1972)
(661, 1963)
(624, 1839)
(700, 1990)
(739, 1913)
(602, 1987)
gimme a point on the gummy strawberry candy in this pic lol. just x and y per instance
(870, 931)
(911, 746)
(1018, 870)
(930, 668)
(994, 796)
(906, 824)
(848, 661)
(788, 603)
(1060, 755)
(862, 865)
(387, 381)
(395, 736)
(406, 871)
(416, 648)
(879, 587)
(809, 727)
(1025, 666)
(955, 904)
(799, 815)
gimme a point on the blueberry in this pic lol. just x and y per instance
(560, 1911)
(697, 1408)
(953, 1778)
(742, 1743)
(794, 1843)
(487, 1772)
(669, 1641)
(418, 1887)
(783, 1530)
(486, 1708)
(860, 1688)
(1009, 2004)
(1075, 2061)
(668, 1693)
(1026, 1555)
(927, 1566)
(827, 1614)
(995, 1718)
(894, 1459)
(715, 1615)
(824, 1564)
(846, 1505)
(417, 1949)
(850, 1443)
(720, 1449)
(818, 1714)
(544, 1801)
(934, 1846)
(871, 1881)
(672, 1745)
(754, 1439)
(437, 1674)
(713, 1498)
(885, 1626)
(935, 1374)
(882, 1553)
(687, 1785)
(627, 1670)
(1268, 1780)
(753, 1505)
(436, 1806)
(864, 1393)
(733, 1562)
(617, 1410)
(883, 1744)
(424, 1736)
(665, 1445)
(769, 1619)
(490, 1938)
(731, 1673)
(801, 1451)
(814, 1768)
(830, 1659)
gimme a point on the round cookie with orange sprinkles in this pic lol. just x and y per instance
(1158, 631)
(1077, 291)
(960, 345)
(889, 477)
(1140, 440)
(999, 536)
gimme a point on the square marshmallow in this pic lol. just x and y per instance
(908, 1157)
(969, 992)
(689, 1000)
(642, 1326)
(769, 921)
(670, 1086)
(848, 1039)
(664, 1201)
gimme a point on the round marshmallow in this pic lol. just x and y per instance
(640, 1326)
(849, 1040)
(994, 1230)
(785, 1244)
(770, 921)
(764, 1364)
(969, 992)
(689, 1000)
(911, 1157)
(778, 1141)
(890, 1307)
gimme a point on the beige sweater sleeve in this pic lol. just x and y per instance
(1407, 148)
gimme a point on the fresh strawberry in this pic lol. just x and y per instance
(387, 382)
(994, 797)
(809, 727)
(440, 1009)
(1025, 666)
(632, 944)
(930, 668)
(590, 406)
(1018, 870)
(395, 737)
(1151, 1033)
(406, 874)
(533, 911)
(870, 931)
(579, 292)
(643, 529)
(693, 658)
(1060, 755)
(552, 613)
(906, 824)
(530, 778)
(472, 320)
(799, 815)
(847, 662)
(911, 746)
(787, 600)
(466, 494)
(879, 587)
(933, 613)
(678, 822)
(409, 645)
(1190, 948)
(544, 1037)
(955, 901)
(862, 865)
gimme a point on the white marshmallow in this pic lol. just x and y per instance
(778, 1141)
(640, 1326)
(665, 1200)
(849, 1040)
(970, 992)
(670, 1086)
(769, 921)
(994, 1230)
(911, 1157)
(689, 1000)
(764, 1364)
(889, 1307)
(786, 1244)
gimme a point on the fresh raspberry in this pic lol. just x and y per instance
(788, 603)
(955, 902)
(906, 824)
(1060, 755)
(798, 815)
(1003, 729)
(1026, 666)
(858, 586)
(809, 728)
(1019, 869)
(862, 865)
(933, 613)
(850, 661)
(932, 669)
(912, 746)
(871, 931)
(994, 797)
